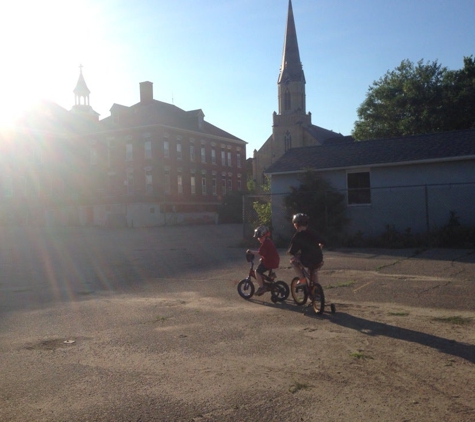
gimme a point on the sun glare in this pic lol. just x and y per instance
(43, 43)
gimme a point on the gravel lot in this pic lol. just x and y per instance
(147, 325)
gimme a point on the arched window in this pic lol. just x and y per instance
(287, 141)
(287, 100)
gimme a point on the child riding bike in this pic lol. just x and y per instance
(306, 248)
(270, 258)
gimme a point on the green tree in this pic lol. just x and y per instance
(418, 98)
(263, 208)
(459, 97)
(321, 202)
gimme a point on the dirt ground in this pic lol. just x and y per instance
(147, 325)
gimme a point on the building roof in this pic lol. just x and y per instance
(49, 117)
(321, 134)
(347, 153)
(160, 113)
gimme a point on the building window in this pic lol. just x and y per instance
(230, 163)
(230, 185)
(128, 152)
(203, 154)
(178, 152)
(148, 149)
(223, 186)
(214, 187)
(238, 160)
(287, 99)
(203, 185)
(239, 185)
(148, 182)
(359, 188)
(223, 158)
(192, 153)
(130, 181)
(166, 149)
(180, 183)
(213, 156)
(93, 156)
(167, 181)
(6, 186)
(193, 184)
(287, 141)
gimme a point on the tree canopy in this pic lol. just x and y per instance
(418, 98)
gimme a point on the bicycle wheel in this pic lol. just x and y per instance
(299, 292)
(280, 291)
(318, 299)
(245, 288)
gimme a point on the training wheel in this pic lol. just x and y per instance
(332, 308)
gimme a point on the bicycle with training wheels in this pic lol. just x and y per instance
(301, 292)
(279, 289)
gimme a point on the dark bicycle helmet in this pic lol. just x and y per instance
(261, 231)
(300, 219)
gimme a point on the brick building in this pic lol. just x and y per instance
(148, 164)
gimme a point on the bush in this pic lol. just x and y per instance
(324, 205)
(452, 235)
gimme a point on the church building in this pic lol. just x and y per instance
(292, 125)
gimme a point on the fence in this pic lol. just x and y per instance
(418, 208)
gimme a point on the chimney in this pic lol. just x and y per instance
(146, 92)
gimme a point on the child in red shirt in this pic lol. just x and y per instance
(270, 258)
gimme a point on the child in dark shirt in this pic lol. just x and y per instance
(270, 258)
(306, 248)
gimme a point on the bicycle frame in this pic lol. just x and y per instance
(267, 277)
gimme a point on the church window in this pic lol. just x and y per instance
(287, 100)
(288, 141)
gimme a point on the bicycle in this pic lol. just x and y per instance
(312, 290)
(279, 289)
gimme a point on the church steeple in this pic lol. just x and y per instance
(291, 82)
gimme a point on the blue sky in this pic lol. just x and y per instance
(222, 56)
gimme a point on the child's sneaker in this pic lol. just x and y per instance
(260, 291)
